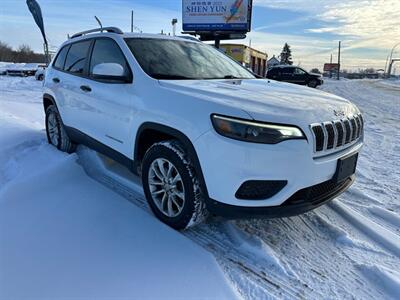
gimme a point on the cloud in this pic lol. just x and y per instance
(360, 24)
(374, 23)
(322, 29)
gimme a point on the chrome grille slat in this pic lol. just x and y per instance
(337, 134)
(347, 125)
(325, 138)
(354, 128)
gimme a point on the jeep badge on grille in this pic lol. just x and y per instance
(339, 113)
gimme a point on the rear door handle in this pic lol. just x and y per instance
(56, 80)
(86, 88)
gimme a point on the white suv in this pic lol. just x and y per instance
(203, 133)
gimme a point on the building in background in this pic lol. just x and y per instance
(273, 61)
(249, 57)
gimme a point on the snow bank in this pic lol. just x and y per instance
(72, 238)
(65, 236)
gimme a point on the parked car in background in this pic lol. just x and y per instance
(295, 75)
(40, 73)
(23, 70)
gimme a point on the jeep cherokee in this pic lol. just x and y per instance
(203, 133)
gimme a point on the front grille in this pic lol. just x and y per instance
(318, 193)
(338, 133)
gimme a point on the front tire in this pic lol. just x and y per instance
(171, 186)
(56, 134)
(313, 84)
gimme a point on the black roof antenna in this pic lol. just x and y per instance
(98, 21)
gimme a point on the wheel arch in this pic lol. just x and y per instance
(47, 101)
(143, 141)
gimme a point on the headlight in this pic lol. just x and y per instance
(255, 132)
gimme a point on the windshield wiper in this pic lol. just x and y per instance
(169, 76)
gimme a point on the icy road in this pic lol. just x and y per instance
(77, 226)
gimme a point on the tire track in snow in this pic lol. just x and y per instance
(311, 251)
(376, 232)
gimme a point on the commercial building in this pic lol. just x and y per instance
(249, 57)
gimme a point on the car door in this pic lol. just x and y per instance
(111, 98)
(53, 81)
(287, 74)
(71, 83)
(300, 76)
(273, 74)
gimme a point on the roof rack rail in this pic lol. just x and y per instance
(108, 29)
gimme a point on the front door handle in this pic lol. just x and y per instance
(86, 88)
(56, 80)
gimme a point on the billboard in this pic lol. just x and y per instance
(216, 15)
(331, 67)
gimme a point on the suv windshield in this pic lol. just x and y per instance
(174, 59)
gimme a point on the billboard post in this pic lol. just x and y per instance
(217, 20)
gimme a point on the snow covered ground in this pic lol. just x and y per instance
(77, 226)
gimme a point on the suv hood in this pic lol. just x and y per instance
(315, 75)
(267, 100)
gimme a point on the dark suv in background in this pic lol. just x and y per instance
(296, 75)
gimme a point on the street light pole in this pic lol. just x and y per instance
(131, 20)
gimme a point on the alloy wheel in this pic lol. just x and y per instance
(53, 129)
(166, 187)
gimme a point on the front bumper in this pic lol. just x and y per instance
(304, 200)
(226, 164)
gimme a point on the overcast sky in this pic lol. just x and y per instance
(368, 29)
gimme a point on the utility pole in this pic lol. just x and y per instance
(131, 20)
(338, 68)
(330, 69)
(173, 22)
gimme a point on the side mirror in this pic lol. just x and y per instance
(108, 70)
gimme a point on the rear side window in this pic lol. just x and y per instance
(76, 58)
(107, 51)
(60, 60)
(273, 72)
(288, 70)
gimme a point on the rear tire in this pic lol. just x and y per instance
(56, 134)
(171, 186)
